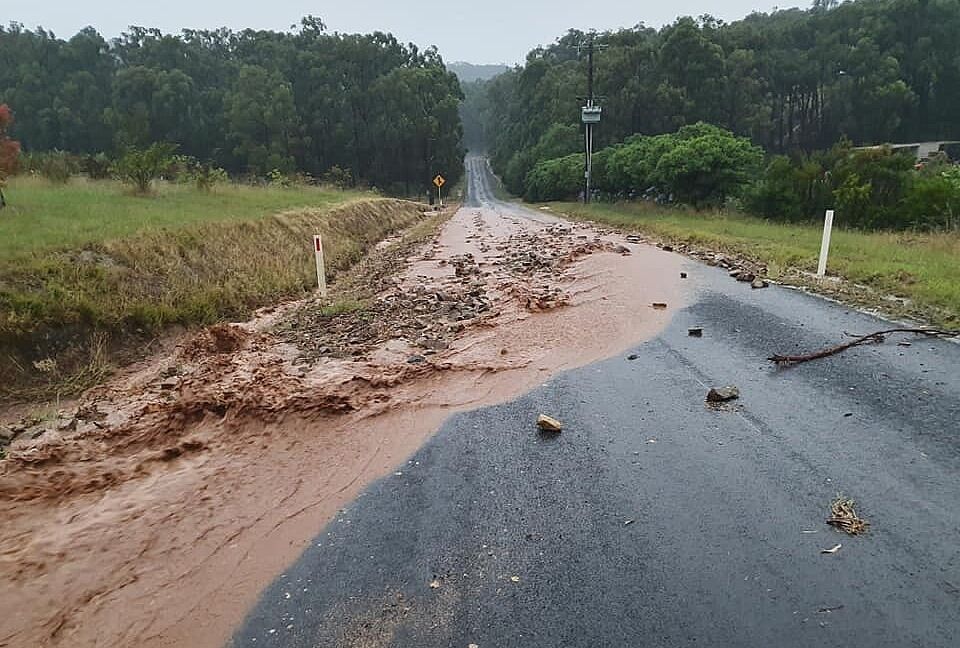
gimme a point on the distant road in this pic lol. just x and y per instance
(653, 520)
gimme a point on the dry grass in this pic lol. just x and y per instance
(63, 313)
(844, 516)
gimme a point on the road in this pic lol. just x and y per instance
(653, 520)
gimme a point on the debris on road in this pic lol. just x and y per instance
(629, 522)
(435, 583)
(759, 283)
(549, 424)
(872, 338)
(695, 332)
(659, 305)
(683, 275)
(832, 550)
(844, 517)
(723, 394)
(515, 579)
(827, 610)
(632, 356)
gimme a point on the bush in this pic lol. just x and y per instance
(933, 201)
(56, 166)
(206, 176)
(707, 168)
(872, 188)
(139, 167)
(700, 164)
(555, 179)
(97, 167)
(338, 177)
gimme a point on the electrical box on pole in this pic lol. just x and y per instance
(590, 114)
(589, 117)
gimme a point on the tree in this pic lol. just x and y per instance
(9, 150)
(140, 167)
(249, 101)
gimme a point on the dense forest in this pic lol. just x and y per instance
(373, 109)
(792, 82)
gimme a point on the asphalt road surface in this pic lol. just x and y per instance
(653, 520)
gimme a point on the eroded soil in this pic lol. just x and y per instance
(154, 511)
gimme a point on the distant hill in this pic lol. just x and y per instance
(468, 72)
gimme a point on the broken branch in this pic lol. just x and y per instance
(872, 338)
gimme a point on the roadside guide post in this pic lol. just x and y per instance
(825, 243)
(439, 181)
(321, 271)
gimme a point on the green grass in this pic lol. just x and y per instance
(88, 272)
(41, 215)
(922, 267)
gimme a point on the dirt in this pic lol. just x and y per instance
(154, 510)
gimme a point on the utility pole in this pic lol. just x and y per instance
(590, 117)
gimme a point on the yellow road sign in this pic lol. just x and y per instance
(439, 181)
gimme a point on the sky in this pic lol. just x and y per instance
(493, 31)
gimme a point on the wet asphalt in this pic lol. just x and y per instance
(653, 520)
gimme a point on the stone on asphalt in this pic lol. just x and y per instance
(722, 394)
(548, 423)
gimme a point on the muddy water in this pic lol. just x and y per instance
(158, 524)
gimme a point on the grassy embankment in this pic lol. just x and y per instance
(923, 268)
(87, 269)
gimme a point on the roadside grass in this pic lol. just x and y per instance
(42, 215)
(921, 267)
(72, 306)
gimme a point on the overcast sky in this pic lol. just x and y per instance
(491, 31)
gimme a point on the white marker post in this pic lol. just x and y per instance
(321, 270)
(825, 243)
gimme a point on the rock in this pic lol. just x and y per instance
(667, 248)
(734, 273)
(722, 394)
(746, 277)
(683, 275)
(416, 359)
(622, 249)
(659, 305)
(7, 435)
(632, 356)
(169, 383)
(695, 332)
(548, 423)
(759, 283)
(633, 238)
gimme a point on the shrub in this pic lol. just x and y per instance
(555, 179)
(97, 167)
(57, 166)
(206, 176)
(139, 167)
(338, 177)
(933, 201)
(706, 169)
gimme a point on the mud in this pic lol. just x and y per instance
(154, 511)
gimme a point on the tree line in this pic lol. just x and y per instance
(792, 82)
(367, 107)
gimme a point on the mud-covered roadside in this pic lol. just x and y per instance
(153, 512)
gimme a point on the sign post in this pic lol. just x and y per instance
(439, 181)
(321, 271)
(825, 243)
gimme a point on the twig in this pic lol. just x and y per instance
(872, 338)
